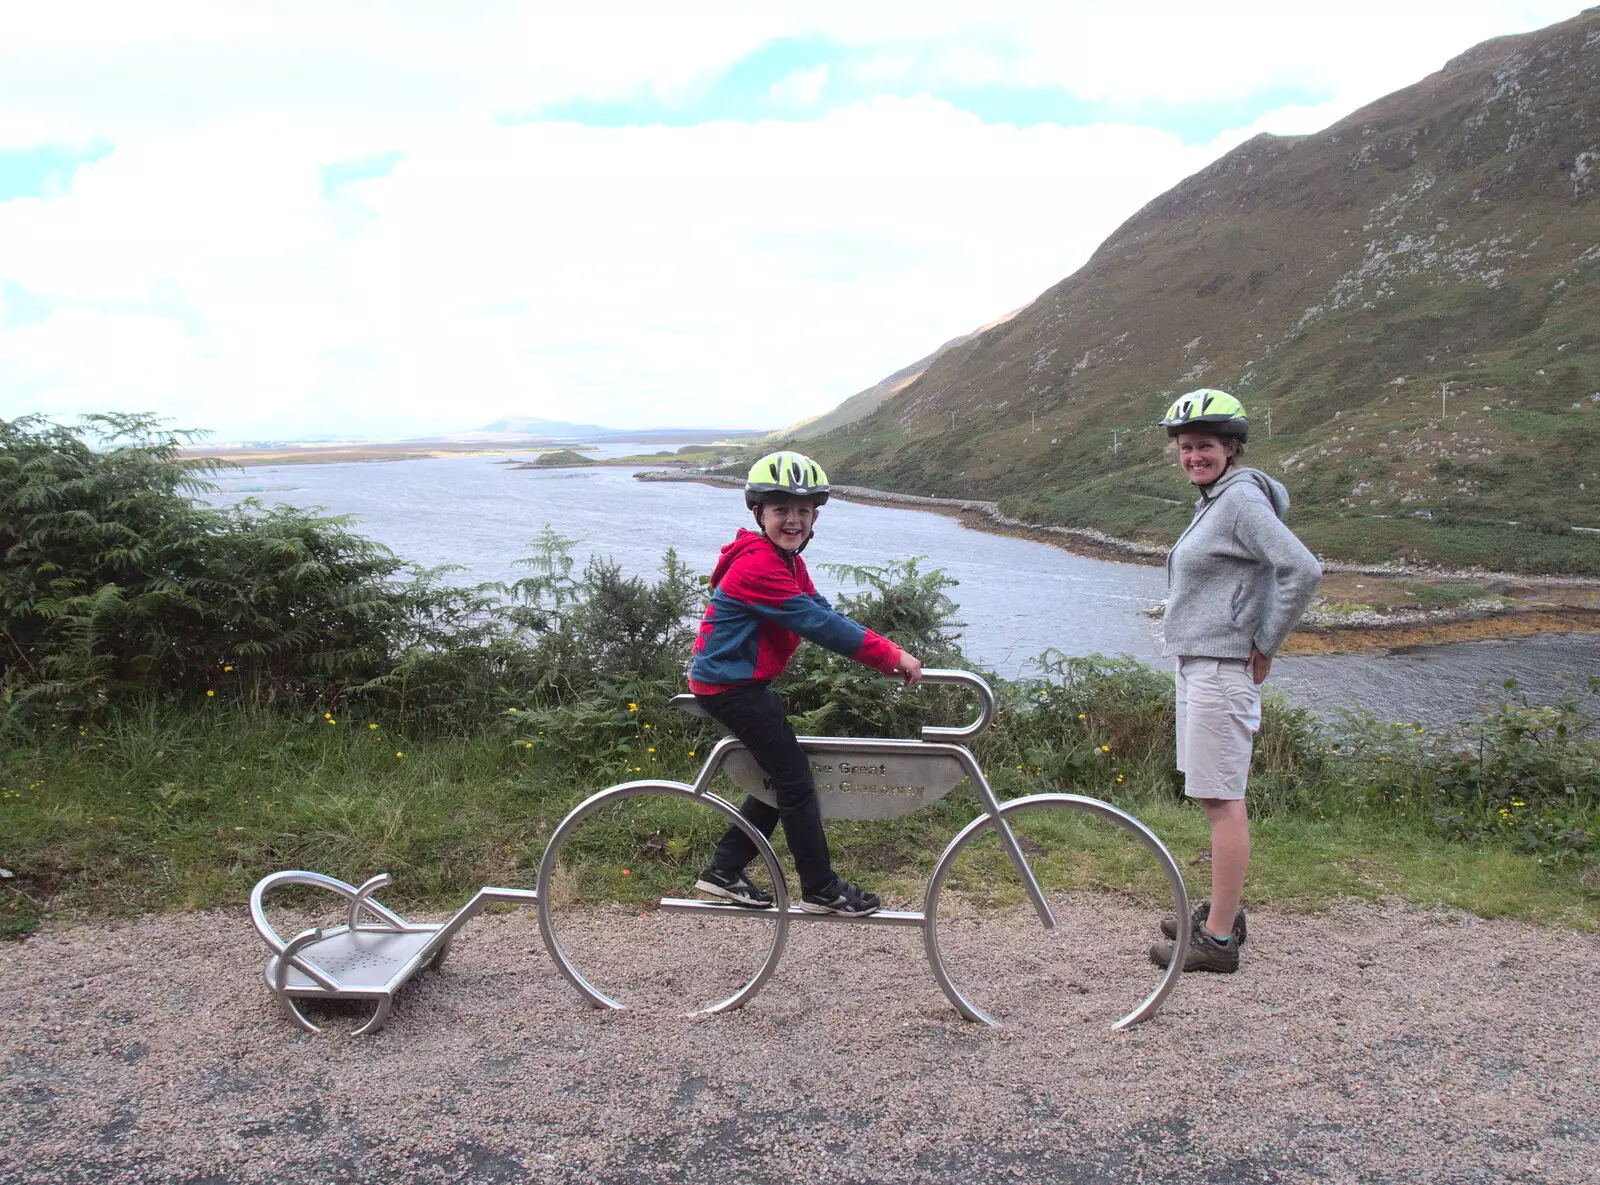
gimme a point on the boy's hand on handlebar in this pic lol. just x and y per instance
(909, 667)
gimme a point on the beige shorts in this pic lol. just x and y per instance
(1219, 711)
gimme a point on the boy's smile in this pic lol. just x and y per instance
(788, 522)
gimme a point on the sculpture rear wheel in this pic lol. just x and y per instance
(1012, 812)
(558, 910)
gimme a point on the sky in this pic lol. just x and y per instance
(361, 219)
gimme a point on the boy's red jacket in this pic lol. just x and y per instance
(762, 604)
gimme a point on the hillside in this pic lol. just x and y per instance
(1448, 234)
(864, 403)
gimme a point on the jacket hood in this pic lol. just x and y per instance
(1277, 495)
(745, 540)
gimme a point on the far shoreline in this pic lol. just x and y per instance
(1348, 617)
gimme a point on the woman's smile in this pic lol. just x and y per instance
(1203, 457)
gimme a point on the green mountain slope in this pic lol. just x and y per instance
(1446, 234)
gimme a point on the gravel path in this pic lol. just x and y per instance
(1364, 1045)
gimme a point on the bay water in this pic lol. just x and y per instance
(1017, 598)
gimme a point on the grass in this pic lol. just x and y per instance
(173, 810)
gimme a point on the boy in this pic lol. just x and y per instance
(762, 604)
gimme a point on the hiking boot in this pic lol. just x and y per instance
(841, 898)
(1205, 953)
(1169, 926)
(734, 887)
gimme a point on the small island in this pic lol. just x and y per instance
(565, 458)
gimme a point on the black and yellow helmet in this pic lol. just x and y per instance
(787, 474)
(1207, 410)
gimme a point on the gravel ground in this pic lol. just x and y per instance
(1362, 1045)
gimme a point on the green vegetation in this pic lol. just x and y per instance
(689, 454)
(562, 459)
(194, 698)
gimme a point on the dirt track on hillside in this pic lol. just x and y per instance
(1367, 1045)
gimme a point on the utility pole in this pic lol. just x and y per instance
(1269, 423)
(952, 420)
(1444, 389)
(1114, 440)
(1032, 427)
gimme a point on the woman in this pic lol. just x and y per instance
(1237, 581)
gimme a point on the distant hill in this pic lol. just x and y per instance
(532, 428)
(1446, 236)
(864, 403)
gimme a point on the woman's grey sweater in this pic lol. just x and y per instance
(1237, 577)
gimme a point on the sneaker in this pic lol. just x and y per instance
(733, 886)
(1205, 953)
(1169, 926)
(841, 898)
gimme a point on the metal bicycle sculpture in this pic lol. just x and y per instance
(866, 779)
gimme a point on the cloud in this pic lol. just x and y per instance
(729, 272)
(299, 218)
(79, 68)
(800, 89)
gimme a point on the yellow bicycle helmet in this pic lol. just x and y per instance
(785, 474)
(1207, 410)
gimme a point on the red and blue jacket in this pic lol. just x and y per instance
(762, 604)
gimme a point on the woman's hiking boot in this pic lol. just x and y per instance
(1169, 926)
(1205, 952)
(734, 887)
(841, 898)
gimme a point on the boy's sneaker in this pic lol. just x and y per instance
(1169, 926)
(1205, 953)
(733, 886)
(841, 898)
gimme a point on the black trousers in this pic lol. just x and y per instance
(753, 712)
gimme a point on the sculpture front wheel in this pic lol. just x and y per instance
(1013, 812)
(565, 905)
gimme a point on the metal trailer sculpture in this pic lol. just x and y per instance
(866, 779)
(370, 957)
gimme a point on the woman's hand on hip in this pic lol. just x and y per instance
(1260, 666)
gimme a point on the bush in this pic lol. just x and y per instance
(1528, 776)
(116, 587)
(113, 583)
(829, 694)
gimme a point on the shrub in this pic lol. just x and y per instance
(1525, 775)
(114, 583)
(115, 586)
(830, 694)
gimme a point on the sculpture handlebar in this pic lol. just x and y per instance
(986, 705)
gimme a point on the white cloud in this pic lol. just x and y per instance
(741, 273)
(730, 272)
(76, 68)
(800, 89)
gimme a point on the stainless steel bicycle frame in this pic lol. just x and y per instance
(938, 742)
